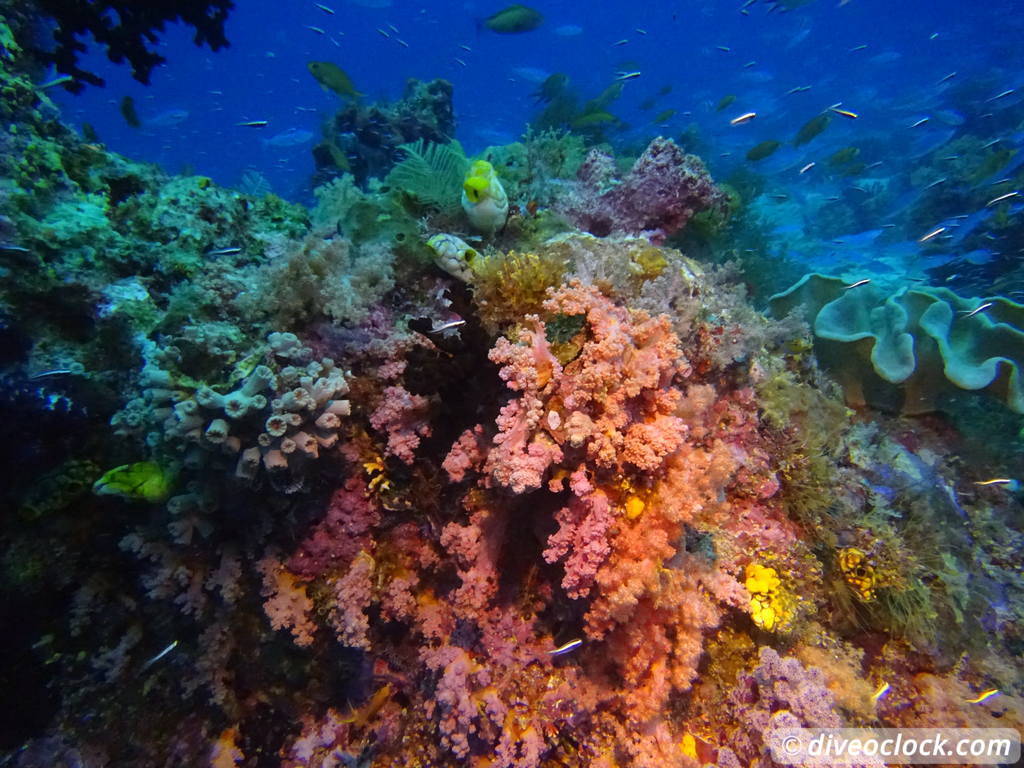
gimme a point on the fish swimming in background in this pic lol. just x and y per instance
(292, 137)
(514, 19)
(128, 112)
(594, 119)
(763, 150)
(169, 118)
(843, 156)
(725, 102)
(334, 78)
(848, 114)
(811, 129)
(552, 87)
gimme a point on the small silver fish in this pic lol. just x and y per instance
(447, 326)
(318, 30)
(930, 235)
(253, 124)
(973, 312)
(1004, 94)
(947, 78)
(50, 374)
(223, 251)
(325, 9)
(724, 48)
(55, 82)
(849, 114)
(937, 182)
(859, 283)
(623, 41)
(1000, 199)
(383, 33)
(807, 167)
(160, 655)
(746, 117)
(460, 62)
(627, 75)
(922, 121)
(860, 47)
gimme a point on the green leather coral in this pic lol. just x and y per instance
(918, 341)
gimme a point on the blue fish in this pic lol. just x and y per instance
(167, 119)
(293, 137)
(858, 240)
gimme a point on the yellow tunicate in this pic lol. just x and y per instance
(770, 606)
(688, 746)
(858, 572)
(762, 612)
(634, 507)
(761, 579)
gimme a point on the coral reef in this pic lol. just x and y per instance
(663, 190)
(923, 340)
(365, 140)
(338, 487)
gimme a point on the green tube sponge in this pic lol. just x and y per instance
(918, 342)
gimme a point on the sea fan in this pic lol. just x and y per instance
(254, 184)
(432, 173)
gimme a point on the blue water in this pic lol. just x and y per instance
(890, 83)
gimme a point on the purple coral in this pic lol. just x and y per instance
(660, 194)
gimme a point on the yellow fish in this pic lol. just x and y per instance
(334, 78)
(514, 19)
(982, 697)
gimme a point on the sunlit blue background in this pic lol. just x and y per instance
(910, 46)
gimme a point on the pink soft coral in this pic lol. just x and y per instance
(403, 417)
(612, 405)
(287, 605)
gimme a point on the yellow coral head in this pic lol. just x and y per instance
(476, 188)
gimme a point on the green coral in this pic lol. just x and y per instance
(918, 342)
